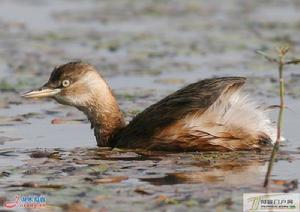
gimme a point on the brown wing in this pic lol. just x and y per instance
(196, 97)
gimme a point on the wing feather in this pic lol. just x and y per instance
(196, 97)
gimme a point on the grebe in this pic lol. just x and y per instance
(212, 114)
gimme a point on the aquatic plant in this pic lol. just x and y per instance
(281, 61)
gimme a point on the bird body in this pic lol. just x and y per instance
(211, 114)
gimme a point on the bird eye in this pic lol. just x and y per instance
(66, 83)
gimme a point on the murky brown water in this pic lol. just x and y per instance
(145, 50)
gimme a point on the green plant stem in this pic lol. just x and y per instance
(281, 93)
(279, 123)
(271, 162)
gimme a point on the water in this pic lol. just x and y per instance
(145, 51)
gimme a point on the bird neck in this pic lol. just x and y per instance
(107, 123)
(105, 116)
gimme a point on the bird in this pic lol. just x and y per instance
(209, 115)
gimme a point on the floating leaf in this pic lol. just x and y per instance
(36, 185)
(142, 191)
(113, 179)
(75, 207)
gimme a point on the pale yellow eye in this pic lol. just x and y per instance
(66, 83)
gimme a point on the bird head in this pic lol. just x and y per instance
(74, 84)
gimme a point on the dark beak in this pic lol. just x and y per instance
(42, 92)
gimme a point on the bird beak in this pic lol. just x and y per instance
(42, 92)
